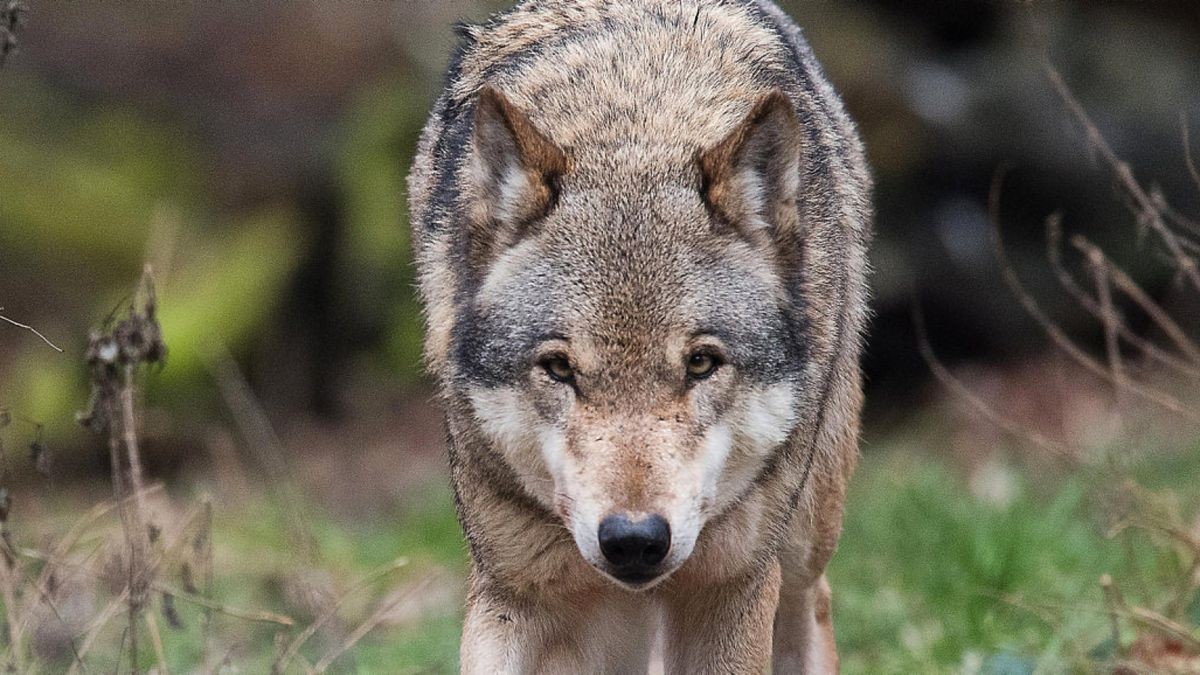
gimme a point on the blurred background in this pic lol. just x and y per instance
(254, 154)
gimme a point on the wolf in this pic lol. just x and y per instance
(640, 229)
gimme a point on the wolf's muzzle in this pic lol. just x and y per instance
(635, 548)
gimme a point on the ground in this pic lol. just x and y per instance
(934, 574)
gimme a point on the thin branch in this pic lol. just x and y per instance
(369, 624)
(1187, 151)
(31, 329)
(1151, 619)
(1110, 320)
(245, 614)
(1124, 174)
(156, 641)
(952, 383)
(1146, 347)
(1054, 332)
(262, 440)
(287, 654)
(98, 623)
(200, 601)
(1112, 602)
(1135, 292)
(1192, 227)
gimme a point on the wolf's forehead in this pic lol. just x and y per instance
(620, 279)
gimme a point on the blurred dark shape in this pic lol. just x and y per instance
(11, 12)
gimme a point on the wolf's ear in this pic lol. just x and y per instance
(514, 170)
(751, 178)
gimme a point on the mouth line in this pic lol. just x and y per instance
(636, 581)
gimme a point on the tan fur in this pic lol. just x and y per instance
(630, 118)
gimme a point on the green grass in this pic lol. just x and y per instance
(928, 578)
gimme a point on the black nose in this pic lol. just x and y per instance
(634, 547)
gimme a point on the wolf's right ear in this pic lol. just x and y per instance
(514, 170)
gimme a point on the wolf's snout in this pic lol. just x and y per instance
(634, 547)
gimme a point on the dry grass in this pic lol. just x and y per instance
(64, 602)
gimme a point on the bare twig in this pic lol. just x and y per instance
(156, 641)
(114, 359)
(1135, 292)
(1146, 347)
(1109, 319)
(952, 383)
(260, 436)
(1150, 619)
(29, 328)
(369, 624)
(203, 547)
(1054, 254)
(1124, 174)
(257, 616)
(1187, 152)
(287, 654)
(98, 623)
(1112, 601)
(1055, 332)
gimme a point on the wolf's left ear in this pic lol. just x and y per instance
(514, 170)
(751, 178)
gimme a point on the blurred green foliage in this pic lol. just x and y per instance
(92, 195)
(378, 140)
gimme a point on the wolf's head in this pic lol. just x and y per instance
(634, 344)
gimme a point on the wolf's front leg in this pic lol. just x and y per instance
(724, 629)
(804, 630)
(612, 633)
(493, 641)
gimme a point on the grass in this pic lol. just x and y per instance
(928, 578)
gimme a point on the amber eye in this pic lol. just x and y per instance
(702, 364)
(558, 368)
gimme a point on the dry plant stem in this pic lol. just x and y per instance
(156, 640)
(1055, 333)
(256, 428)
(1187, 152)
(31, 329)
(1111, 602)
(1146, 347)
(44, 594)
(1192, 227)
(180, 594)
(1109, 319)
(97, 625)
(68, 541)
(127, 479)
(1135, 292)
(1151, 619)
(1188, 583)
(206, 561)
(245, 614)
(15, 648)
(286, 655)
(1145, 204)
(368, 625)
(53, 558)
(979, 405)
